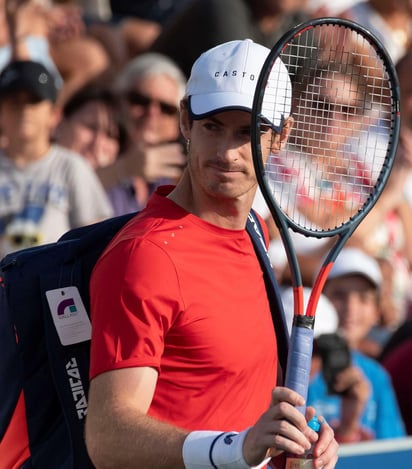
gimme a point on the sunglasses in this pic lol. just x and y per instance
(138, 99)
(325, 106)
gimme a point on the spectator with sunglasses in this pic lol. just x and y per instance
(150, 88)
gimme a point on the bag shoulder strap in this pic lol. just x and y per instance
(255, 231)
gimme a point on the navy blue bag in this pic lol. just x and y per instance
(53, 376)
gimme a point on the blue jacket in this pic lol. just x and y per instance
(381, 416)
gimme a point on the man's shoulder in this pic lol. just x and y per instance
(148, 226)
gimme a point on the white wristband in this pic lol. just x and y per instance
(215, 450)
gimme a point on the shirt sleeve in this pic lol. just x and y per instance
(135, 298)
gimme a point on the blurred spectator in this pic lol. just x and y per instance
(91, 125)
(404, 165)
(127, 29)
(319, 8)
(23, 35)
(153, 10)
(79, 56)
(398, 363)
(44, 189)
(55, 35)
(131, 136)
(150, 88)
(401, 334)
(304, 174)
(96, 10)
(363, 405)
(354, 286)
(389, 20)
(403, 68)
(202, 24)
(386, 233)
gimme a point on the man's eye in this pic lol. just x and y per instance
(210, 126)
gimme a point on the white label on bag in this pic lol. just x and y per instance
(69, 315)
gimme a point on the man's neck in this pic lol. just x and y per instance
(226, 213)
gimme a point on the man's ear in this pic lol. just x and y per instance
(287, 127)
(278, 141)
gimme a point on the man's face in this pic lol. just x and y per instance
(220, 156)
(26, 118)
(356, 302)
(152, 110)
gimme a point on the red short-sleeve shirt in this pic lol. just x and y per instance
(186, 297)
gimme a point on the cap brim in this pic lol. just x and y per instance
(207, 104)
(202, 106)
(24, 85)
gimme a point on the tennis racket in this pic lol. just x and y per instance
(323, 168)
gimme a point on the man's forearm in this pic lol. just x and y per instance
(129, 439)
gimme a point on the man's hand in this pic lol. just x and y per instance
(283, 428)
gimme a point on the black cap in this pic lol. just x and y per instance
(30, 76)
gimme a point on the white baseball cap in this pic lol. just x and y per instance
(353, 261)
(326, 319)
(225, 78)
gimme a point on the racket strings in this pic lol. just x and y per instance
(343, 117)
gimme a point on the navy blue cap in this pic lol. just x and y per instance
(30, 76)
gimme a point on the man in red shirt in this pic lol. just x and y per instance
(184, 355)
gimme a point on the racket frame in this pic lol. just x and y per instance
(299, 356)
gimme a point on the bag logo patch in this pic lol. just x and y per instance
(69, 315)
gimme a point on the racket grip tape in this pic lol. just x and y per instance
(300, 356)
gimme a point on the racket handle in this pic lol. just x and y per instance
(300, 356)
